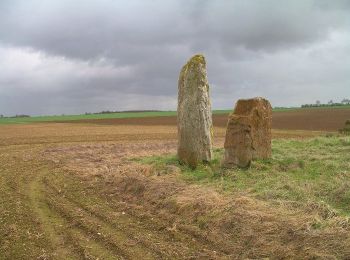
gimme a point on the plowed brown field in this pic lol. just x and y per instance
(78, 191)
(300, 119)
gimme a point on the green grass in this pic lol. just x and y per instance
(305, 171)
(23, 120)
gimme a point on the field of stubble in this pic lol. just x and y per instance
(99, 191)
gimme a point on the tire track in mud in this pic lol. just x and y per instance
(67, 241)
(45, 217)
(168, 237)
(88, 228)
(76, 230)
(69, 235)
(31, 234)
(146, 237)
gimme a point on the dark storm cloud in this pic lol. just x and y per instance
(94, 55)
(129, 31)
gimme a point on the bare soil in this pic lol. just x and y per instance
(73, 191)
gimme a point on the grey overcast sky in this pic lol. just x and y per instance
(65, 56)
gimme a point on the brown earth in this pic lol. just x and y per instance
(72, 191)
(301, 119)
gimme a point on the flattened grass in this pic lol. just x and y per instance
(305, 171)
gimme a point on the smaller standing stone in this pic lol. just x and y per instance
(248, 134)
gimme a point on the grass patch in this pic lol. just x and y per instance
(22, 120)
(54, 118)
(202, 173)
(315, 170)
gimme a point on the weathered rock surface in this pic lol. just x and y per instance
(248, 134)
(194, 116)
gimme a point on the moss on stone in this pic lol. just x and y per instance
(196, 59)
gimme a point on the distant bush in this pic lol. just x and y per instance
(124, 111)
(16, 116)
(346, 129)
(344, 102)
(21, 116)
(324, 105)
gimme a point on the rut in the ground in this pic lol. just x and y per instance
(203, 221)
(73, 222)
(90, 201)
(90, 227)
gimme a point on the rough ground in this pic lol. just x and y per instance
(71, 191)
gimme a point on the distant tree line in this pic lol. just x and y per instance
(124, 111)
(2, 116)
(330, 103)
(87, 113)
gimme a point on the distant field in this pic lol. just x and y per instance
(322, 119)
(57, 118)
(21, 120)
(317, 118)
(92, 186)
(116, 191)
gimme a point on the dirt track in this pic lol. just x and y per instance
(302, 119)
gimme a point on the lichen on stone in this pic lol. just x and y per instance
(198, 58)
(194, 113)
(195, 60)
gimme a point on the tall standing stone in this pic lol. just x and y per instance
(248, 134)
(194, 117)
